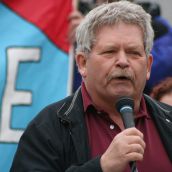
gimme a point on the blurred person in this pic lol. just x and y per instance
(162, 47)
(163, 91)
(85, 132)
(77, 15)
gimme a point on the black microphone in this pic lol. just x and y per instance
(125, 106)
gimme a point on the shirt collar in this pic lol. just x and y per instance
(86, 97)
(143, 112)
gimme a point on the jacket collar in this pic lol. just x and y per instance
(71, 114)
(162, 115)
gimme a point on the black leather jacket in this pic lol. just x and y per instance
(56, 140)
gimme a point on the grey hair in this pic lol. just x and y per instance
(110, 14)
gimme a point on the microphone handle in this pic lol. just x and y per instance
(133, 166)
(127, 115)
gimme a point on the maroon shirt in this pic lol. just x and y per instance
(102, 130)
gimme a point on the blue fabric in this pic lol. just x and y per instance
(44, 79)
(162, 54)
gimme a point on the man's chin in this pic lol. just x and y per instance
(121, 93)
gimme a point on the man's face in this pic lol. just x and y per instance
(117, 65)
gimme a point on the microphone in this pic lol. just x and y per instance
(125, 106)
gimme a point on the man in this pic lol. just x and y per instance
(85, 132)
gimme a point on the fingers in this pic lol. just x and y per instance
(134, 156)
(132, 131)
(134, 142)
(136, 149)
(127, 146)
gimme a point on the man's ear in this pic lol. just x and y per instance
(149, 65)
(81, 60)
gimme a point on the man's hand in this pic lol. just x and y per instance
(125, 147)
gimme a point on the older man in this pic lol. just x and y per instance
(85, 132)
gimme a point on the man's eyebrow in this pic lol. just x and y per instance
(135, 47)
(114, 46)
(109, 46)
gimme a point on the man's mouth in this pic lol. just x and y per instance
(122, 78)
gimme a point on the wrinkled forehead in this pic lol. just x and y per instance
(121, 24)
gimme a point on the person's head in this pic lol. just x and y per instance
(163, 91)
(113, 50)
(111, 14)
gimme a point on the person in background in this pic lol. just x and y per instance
(162, 48)
(85, 132)
(163, 91)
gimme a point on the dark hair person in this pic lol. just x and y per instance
(163, 91)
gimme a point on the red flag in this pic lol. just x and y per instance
(51, 16)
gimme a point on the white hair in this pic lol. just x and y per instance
(110, 14)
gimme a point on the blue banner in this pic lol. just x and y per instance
(33, 74)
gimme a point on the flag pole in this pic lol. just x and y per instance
(72, 57)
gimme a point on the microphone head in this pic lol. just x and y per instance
(124, 101)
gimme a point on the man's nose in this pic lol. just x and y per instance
(122, 60)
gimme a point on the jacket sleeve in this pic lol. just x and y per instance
(41, 149)
(91, 166)
(38, 150)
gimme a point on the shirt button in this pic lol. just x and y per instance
(99, 112)
(112, 126)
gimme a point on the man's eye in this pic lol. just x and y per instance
(135, 53)
(109, 52)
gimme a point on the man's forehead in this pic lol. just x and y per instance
(117, 28)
